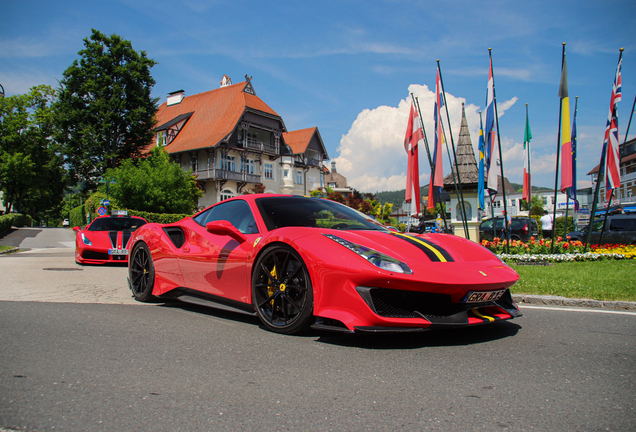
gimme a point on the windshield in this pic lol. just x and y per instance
(116, 224)
(279, 212)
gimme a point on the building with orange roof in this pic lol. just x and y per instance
(232, 141)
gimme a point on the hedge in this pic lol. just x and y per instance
(158, 217)
(14, 219)
(78, 216)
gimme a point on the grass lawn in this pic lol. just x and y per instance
(600, 280)
(2, 248)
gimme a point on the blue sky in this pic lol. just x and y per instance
(348, 66)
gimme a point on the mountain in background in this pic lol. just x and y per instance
(397, 197)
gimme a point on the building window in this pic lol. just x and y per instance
(332, 185)
(269, 171)
(299, 177)
(161, 139)
(247, 166)
(226, 194)
(286, 173)
(228, 163)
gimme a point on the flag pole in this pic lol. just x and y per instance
(481, 182)
(609, 204)
(529, 172)
(598, 184)
(428, 152)
(503, 179)
(567, 195)
(558, 153)
(459, 181)
(630, 121)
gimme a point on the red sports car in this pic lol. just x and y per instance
(106, 239)
(298, 262)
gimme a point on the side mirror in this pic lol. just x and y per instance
(77, 229)
(223, 227)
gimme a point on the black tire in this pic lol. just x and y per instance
(141, 273)
(282, 293)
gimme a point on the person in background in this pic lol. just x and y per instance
(546, 224)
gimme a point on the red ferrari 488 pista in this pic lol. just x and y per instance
(297, 262)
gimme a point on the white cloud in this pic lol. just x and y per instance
(371, 153)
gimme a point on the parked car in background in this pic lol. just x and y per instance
(521, 228)
(429, 226)
(619, 229)
(65, 223)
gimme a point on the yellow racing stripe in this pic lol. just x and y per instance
(480, 315)
(431, 248)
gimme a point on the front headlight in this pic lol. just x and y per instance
(376, 258)
(85, 240)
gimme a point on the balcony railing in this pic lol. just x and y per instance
(313, 162)
(253, 144)
(219, 174)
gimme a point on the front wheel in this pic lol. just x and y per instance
(281, 291)
(141, 273)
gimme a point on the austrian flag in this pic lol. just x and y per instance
(411, 143)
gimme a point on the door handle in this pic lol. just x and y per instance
(185, 250)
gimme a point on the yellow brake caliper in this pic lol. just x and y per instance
(271, 289)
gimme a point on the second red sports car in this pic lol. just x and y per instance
(297, 262)
(105, 239)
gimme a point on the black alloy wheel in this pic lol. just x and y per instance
(281, 291)
(141, 273)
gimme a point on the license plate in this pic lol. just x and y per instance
(483, 296)
(117, 251)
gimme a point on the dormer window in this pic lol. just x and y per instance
(161, 138)
(175, 97)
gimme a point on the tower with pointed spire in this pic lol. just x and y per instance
(469, 177)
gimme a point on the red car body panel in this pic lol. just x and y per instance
(97, 252)
(221, 266)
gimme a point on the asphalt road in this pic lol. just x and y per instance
(79, 354)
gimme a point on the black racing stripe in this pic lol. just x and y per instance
(126, 237)
(429, 253)
(426, 250)
(113, 238)
(441, 250)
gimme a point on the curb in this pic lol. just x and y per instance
(9, 250)
(525, 299)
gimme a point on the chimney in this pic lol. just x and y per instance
(175, 97)
(226, 81)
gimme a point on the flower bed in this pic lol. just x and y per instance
(563, 250)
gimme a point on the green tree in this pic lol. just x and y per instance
(537, 205)
(154, 184)
(105, 111)
(31, 175)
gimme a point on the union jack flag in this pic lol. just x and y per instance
(612, 170)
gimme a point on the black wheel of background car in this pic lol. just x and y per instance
(141, 272)
(281, 290)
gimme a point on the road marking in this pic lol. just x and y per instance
(572, 309)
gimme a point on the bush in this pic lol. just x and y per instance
(559, 225)
(163, 218)
(14, 219)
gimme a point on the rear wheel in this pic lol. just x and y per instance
(281, 291)
(141, 273)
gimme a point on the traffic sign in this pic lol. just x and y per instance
(106, 202)
(101, 211)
